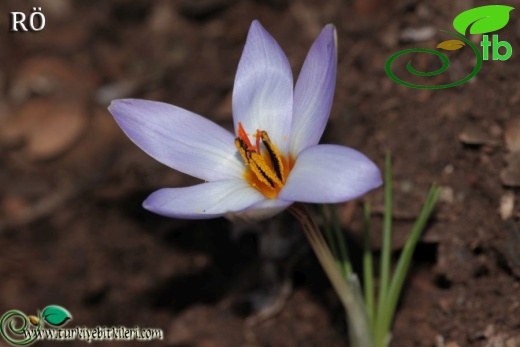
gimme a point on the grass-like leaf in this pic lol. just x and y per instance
(384, 273)
(405, 259)
(368, 267)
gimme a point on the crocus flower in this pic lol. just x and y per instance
(273, 159)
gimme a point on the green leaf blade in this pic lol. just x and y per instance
(56, 315)
(483, 19)
(405, 258)
(368, 268)
(381, 332)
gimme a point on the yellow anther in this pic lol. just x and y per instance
(265, 170)
(274, 154)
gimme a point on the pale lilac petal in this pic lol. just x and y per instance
(262, 210)
(205, 200)
(314, 92)
(330, 174)
(180, 139)
(263, 90)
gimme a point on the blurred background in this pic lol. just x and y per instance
(73, 233)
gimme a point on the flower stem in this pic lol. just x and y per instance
(329, 237)
(348, 292)
(340, 238)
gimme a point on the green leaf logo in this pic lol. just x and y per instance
(55, 315)
(483, 19)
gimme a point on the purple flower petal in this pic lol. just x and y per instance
(263, 90)
(330, 174)
(180, 139)
(205, 200)
(262, 210)
(314, 92)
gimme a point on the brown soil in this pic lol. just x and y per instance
(73, 232)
